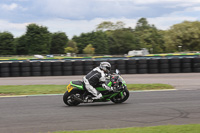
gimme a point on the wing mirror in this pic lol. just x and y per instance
(117, 71)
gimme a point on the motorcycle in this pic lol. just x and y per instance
(76, 92)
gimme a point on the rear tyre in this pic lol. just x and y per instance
(68, 99)
(119, 98)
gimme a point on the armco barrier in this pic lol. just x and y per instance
(131, 66)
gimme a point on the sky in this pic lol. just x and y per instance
(81, 16)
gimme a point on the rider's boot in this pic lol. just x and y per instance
(88, 99)
(99, 96)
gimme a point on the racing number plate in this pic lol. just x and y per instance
(69, 87)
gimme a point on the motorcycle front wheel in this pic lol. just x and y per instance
(69, 100)
(119, 98)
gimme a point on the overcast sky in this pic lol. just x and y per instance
(76, 16)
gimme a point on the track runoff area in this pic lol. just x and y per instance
(49, 113)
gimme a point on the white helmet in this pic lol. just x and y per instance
(105, 66)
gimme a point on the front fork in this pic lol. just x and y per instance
(122, 94)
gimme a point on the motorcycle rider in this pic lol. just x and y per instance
(96, 76)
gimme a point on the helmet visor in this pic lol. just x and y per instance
(108, 68)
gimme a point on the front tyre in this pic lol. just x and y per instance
(119, 98)
(69, 100)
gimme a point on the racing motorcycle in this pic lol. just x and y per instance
(76, 92)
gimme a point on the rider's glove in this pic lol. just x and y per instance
(111, 89)
(107, 87)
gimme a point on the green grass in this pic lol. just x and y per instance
(149, 86)
(17, 57)
(194, 128)
(60, 89)
(31, 89)
(29, 57)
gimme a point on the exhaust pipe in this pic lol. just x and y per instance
(77, 99)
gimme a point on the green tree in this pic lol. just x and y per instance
(69, 50)
(150, 39)
(58, 43)
(121, 41)
(143, 24)
(98, 39)
(21, 45)
(89, 49)
(148, 36)
(119, 25)
(71, 47)
(185, 34)
(6, 43)
(107, 25)
(38, 39)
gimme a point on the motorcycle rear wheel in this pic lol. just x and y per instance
(68, 99)
(119, 99)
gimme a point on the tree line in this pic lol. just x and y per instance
(107, 38)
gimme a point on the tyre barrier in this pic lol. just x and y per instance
(164, 66)
(131, 66)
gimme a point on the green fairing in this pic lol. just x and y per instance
(78, 86)
(100, 89)
(122, 94)
(110, 84)
(115, 94)
(124, 84)
(81, 87)
(110, 96)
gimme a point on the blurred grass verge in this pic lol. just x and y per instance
(60, 89)
(193, 128)
(149, 86)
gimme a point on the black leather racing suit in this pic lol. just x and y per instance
(92, 80)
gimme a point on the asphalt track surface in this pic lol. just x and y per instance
(48, 113)
(180, 81)
(31, 114)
